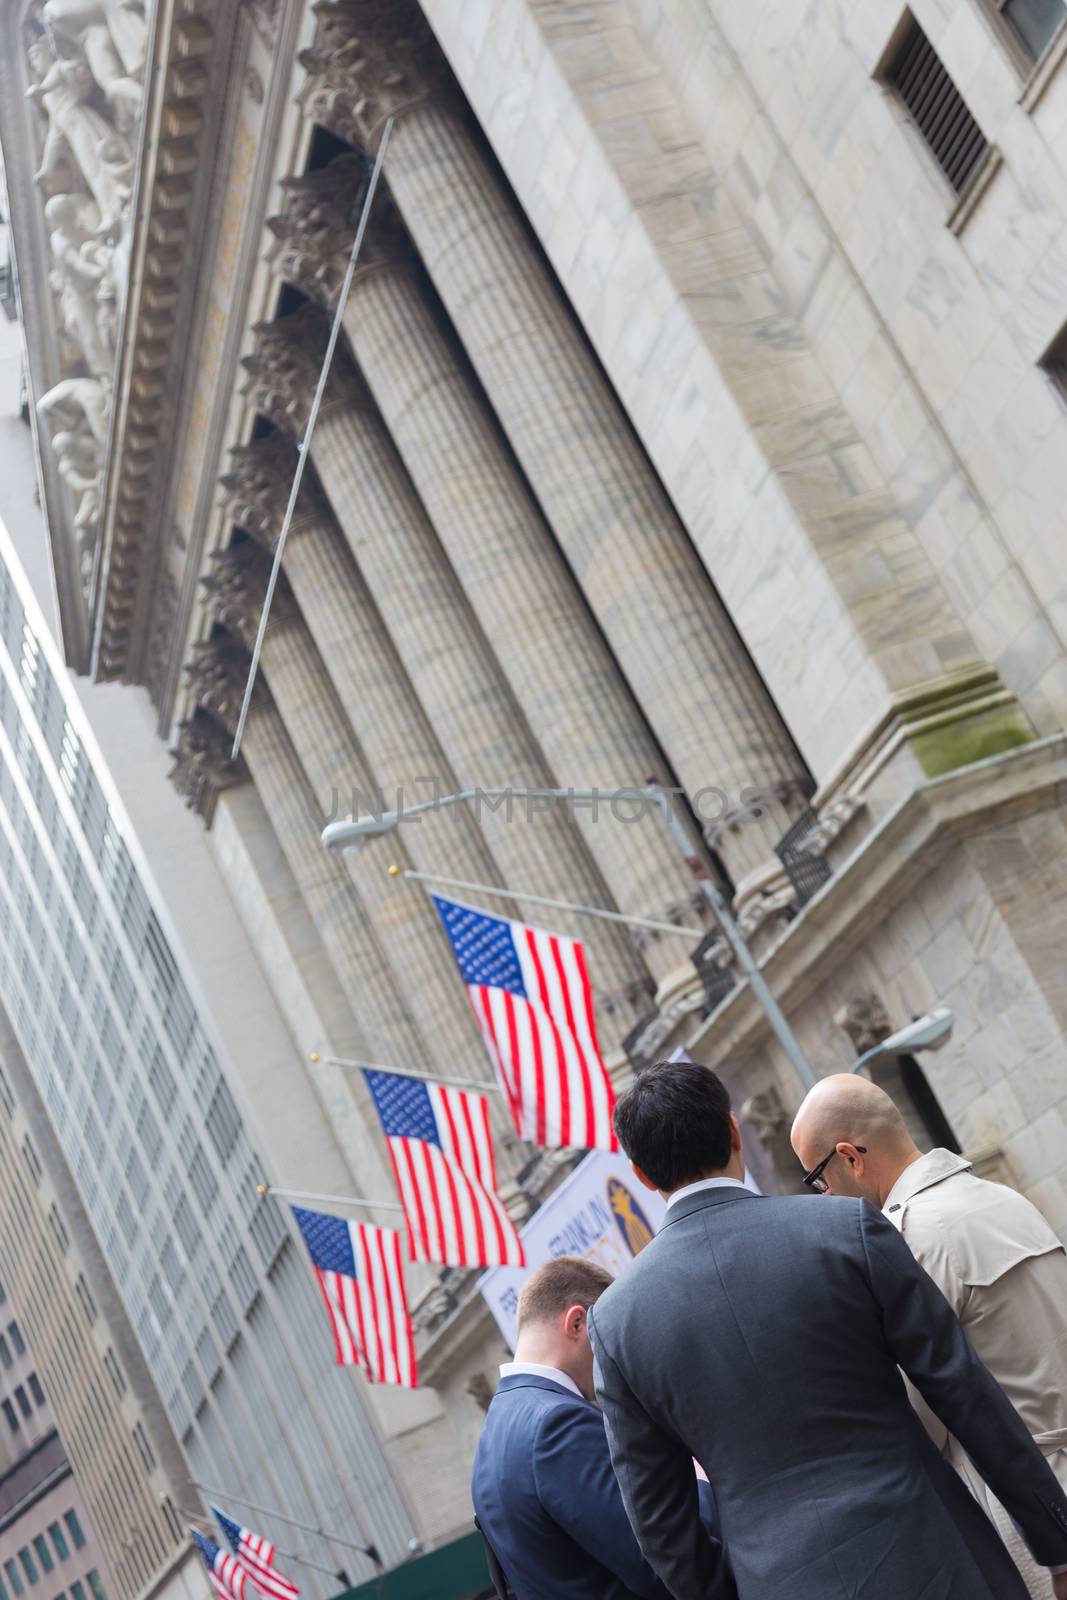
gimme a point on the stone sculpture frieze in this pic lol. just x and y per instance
(85, 63)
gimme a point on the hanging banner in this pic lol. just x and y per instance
(600, 1211)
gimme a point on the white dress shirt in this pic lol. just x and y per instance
(705, 1183)
(512, 1369)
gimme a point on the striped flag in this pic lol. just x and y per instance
(362, 1286)
(442, 1156)
(227, 1575)
(533, 1000)
(256, 1556)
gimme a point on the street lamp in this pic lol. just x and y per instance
(925, 1033)
(338, 836)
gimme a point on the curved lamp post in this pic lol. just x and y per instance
(925, 1033)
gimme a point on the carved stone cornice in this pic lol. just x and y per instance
(237, 585)
(217, 673)
(313, 234)
(371, 59)
(202, 767)
(255, 492)
(284, 368)
(177, 125)
(866, 1021)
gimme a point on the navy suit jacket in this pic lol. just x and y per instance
(547, 1500)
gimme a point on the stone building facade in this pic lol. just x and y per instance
(698, 417)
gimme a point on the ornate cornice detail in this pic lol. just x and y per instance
(217, 673)
(237, 585)
(371, 59)
(266, 19)
(202, 767)
(866, 1021)
(284, 368)
(255, 492)
(313, 233)
(176, 125)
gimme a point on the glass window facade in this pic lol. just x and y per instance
(74, 1528)
(157, 1145)
(59, 1543)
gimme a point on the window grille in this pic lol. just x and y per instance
(56, 1222)
(919, 77)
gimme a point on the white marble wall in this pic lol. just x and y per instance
(624, 126)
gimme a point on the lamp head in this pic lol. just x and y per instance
(338, 836)
(925, 1033)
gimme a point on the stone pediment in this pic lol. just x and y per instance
(102, 100)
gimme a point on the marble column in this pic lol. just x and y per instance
(218, 673)
(643, 580)
(445, 653)
(407, 928)
(552, 653)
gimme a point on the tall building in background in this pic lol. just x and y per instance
(698, 416)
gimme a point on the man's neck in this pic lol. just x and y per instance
(735, 1172)
(893, 1176)
(539, 1355)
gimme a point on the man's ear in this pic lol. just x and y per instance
(642, 1178)
(575, 1319)
(735, 1133)
(852, 1157)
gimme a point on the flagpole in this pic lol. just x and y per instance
(290, 1555)
(482, 1085)
(541, 900)
(305, 1527)
(329, 1199)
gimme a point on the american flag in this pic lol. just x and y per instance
(256, 1556)
(533, 1000)
(227, 1575)
(442, 1156)
(362, 1286)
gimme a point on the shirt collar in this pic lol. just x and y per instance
(533, 1369)
(922, 1174)
(704, 1183)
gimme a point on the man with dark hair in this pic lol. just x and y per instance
(545, 1496)
(763, 1336)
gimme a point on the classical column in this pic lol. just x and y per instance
(218, 674)
(408, 930)
(642, 578)
(552, 653)
(445, 653)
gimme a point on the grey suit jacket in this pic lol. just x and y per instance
(763, 1337)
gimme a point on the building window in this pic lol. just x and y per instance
(1054, 361)
(114, 1371)
(23, 1400)
(18, 1343)
(917, 75)
(29, 1566)
(3, 1294)
(31, 1159)
(5, 1351)
(58, 1229)
(74, 1528)
(44, 1555)
(9, 1413)
(35, 1389)
(1027, 26)
(77, 1591)
(88, 1305)
(144, 1447)
(59, 1543)
(96, 1586)
(13, 1577)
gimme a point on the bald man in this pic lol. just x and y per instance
(991, 1253)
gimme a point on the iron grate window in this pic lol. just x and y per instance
(918, 75)
(1054, 361)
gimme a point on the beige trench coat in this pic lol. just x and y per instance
(1004, 1273)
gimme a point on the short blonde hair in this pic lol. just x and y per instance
(557, 1285)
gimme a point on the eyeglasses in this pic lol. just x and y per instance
(815, 1180)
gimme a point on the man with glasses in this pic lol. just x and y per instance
(763, 1336)
(990, 1252)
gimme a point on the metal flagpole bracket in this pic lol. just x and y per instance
(304, 449)
(329, 1199)
(541, 900)
(479, 1085)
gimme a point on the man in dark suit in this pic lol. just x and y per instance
(545, 1496)
(763, 1337)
